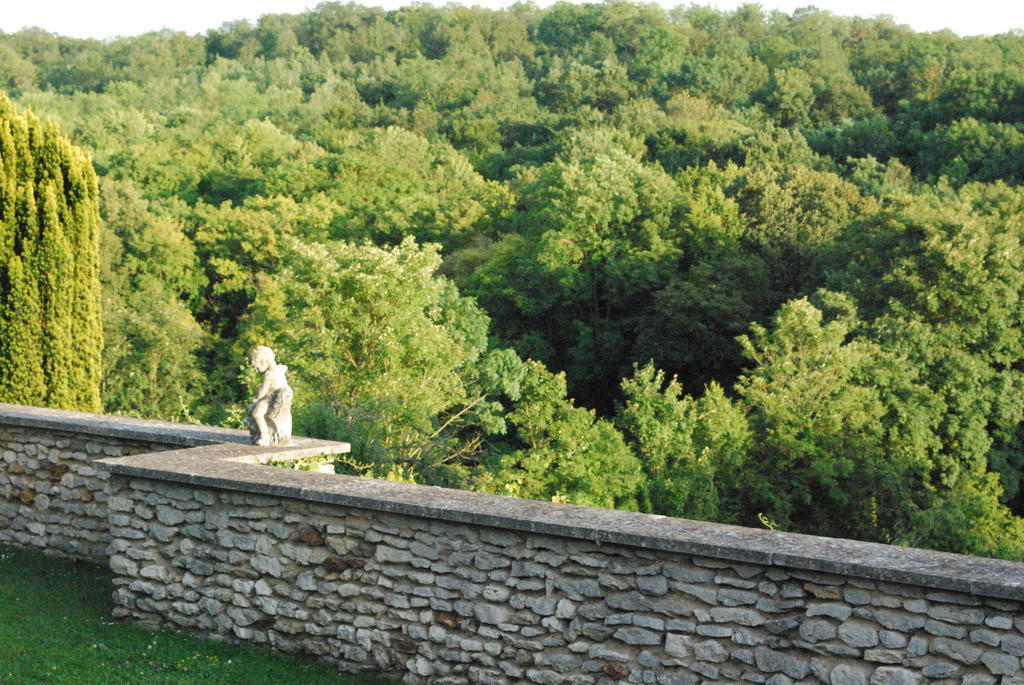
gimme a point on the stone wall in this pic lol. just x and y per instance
(451, 587)
(51, 494)
(444, 602)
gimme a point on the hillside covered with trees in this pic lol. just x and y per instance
(738, 266)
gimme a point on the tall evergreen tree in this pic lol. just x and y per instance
(50, 332)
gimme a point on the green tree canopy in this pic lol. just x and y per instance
(393, 359)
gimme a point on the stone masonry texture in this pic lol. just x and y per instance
(439, 602)
(389, 577)
(51, 494)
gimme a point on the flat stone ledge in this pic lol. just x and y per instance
(216, 443)
(106, 425)
(225, 460)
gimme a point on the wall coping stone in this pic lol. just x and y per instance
(108, 425)
(213, 442)
(223, 461)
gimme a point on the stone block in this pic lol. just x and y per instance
(634, 635)
(773, 661)
(1000, 663)
(740, 616)
(893, 675)
(957, 650)
(857, 633)
(835, 610)
(849, 674)
(816, 630)
(1012, 644)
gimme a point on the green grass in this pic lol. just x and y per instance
(55, 627)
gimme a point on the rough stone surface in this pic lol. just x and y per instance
(51, 496)
(429, 592)
(892, 675)
(845, 674)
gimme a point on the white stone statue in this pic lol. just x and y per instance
(269, 418)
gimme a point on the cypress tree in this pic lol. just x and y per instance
(53, 262)
(22, 380)
(50, 330)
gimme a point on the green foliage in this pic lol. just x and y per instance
(16, 72)
(396, 359)
(680, 477)
(24, 381)
(696, 131)
(968, 149)
(819, 436)
(624, 192)
(392, 183)
(50, 329)
(971, 519)
(568, 455)
(598, 239)
(149, 273)
(947, 299)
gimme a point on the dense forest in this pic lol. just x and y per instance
(739, 266)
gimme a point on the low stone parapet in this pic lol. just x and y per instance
(443, 586)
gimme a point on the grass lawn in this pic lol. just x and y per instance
(55, 627)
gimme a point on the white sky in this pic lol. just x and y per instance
(109, 18)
